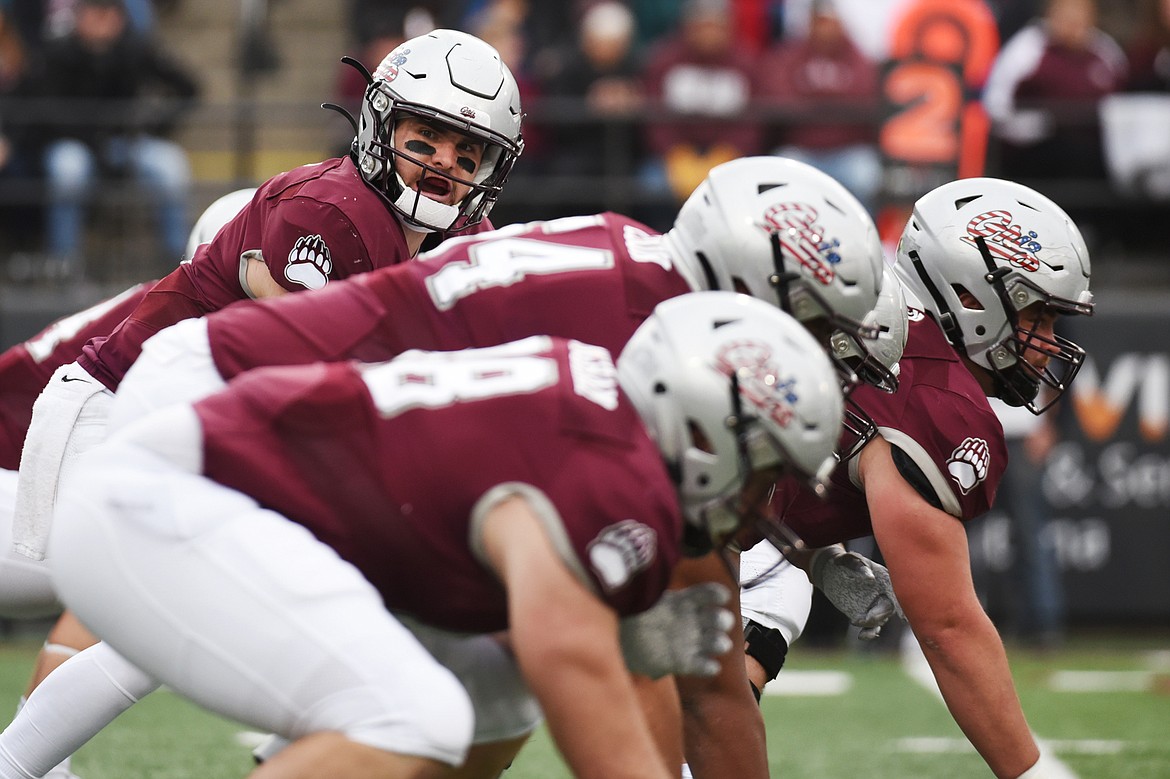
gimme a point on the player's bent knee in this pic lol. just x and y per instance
(437, 726)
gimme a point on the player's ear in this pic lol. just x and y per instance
(969, 301)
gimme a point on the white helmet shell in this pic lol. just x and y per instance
(454, 78)
(1033, 252)
(216, 216)
(783, 231)
(678, 370)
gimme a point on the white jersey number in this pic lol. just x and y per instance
(435, 379)
(509, 260)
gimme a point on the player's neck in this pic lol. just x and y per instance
(414, 239)
(983, 376)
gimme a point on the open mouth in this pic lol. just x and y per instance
(435, 186)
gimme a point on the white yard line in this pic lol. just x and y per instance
(1101, 681)
(810, 683)
(947, 745)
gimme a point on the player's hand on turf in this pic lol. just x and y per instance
(683, 634)
(858, 587)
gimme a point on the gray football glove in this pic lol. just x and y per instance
(682, 634)
(857, 586)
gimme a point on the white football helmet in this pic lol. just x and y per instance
(728, 385)
(782, 231)
(216, 216)
(459, 80)
(1009, 247)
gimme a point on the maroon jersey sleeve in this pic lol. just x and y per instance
(314, 224)
(324, 445)
(26, 367)
(310, 225)
(939, 418)
(594, 279)
(942, 422)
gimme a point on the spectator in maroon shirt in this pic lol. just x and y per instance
(826, 73)
(704, 84)
(1044, 89)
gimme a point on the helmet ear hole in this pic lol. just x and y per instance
(967, 298)
(699, 439)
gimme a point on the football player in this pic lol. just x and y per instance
(439, 132)
(776, 596)
(989, 266)
(248, 550)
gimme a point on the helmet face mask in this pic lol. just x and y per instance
(978, 252)
(1018, 378)
(457, 83)
(731, 389)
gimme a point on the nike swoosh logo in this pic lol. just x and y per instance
(74, 378)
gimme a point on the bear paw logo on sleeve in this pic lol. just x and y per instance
(968, 463)
(309, 262)
(620, 551)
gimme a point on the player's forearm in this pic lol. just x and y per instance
(723, 730)
(971, 668)
(725, 740)
(593, 715)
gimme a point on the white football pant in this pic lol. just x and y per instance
(239, 609)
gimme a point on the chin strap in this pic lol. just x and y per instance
(423, 214)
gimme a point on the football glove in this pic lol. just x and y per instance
(684, 633)
(857, 586)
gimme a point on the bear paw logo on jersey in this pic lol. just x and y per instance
(1005, 240)
(388, 68)
(803, 239)
(968, 463)
(309, 262)
(620, 551)
(759, 379)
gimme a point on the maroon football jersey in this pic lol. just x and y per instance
(310, 225)
(939, 417)
(592, 278)
(27, 367)
(390, 463)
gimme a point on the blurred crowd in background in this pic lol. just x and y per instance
(629, 102)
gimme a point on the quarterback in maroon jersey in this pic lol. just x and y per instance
(426, 159)
(989, 266)
(567, 491)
